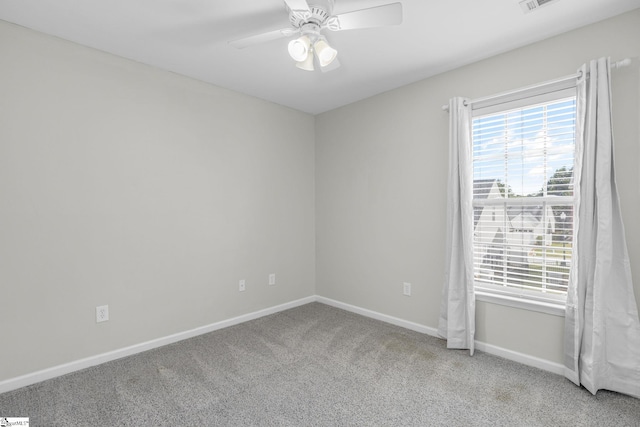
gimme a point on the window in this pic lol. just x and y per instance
(523, 200)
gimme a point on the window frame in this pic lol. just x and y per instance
(553, 304)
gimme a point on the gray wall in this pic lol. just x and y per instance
(381, 167)
(125, 185)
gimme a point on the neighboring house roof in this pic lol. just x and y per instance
(482, 188)
(525, 215)
(520, 217)
(524, 221)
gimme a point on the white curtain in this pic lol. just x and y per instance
(602, 330)
(457, 314)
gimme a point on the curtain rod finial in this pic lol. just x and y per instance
(623, 63)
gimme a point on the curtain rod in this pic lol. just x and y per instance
(615, 65)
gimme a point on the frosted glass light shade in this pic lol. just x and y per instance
(299, 48)
(326, 54)
(307, 64)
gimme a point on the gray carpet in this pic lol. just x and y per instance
(315, 365)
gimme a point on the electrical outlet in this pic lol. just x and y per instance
(242, 285)
(272, 279)
(406, 289)
(102, 313)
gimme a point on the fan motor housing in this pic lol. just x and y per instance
(318, 13)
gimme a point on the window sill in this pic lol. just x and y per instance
(555, 309)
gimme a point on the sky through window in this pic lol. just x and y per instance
(523, 148)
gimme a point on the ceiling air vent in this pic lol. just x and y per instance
(531, 5)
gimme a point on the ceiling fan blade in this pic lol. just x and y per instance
(379, 16)
(299, 8)
(262, 38)
(298, 5)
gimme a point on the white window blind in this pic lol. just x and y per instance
(523, 200)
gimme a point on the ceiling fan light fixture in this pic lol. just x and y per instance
(307, 64)
(299, 48)
(326, 54)
(309, 18)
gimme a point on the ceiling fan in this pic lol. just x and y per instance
(309, 20)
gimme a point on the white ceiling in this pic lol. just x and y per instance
(190, 37)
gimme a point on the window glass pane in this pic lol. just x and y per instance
(523, 197)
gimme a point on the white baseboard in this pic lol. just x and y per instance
(379, 316)
(525, 359)
(56, 371)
